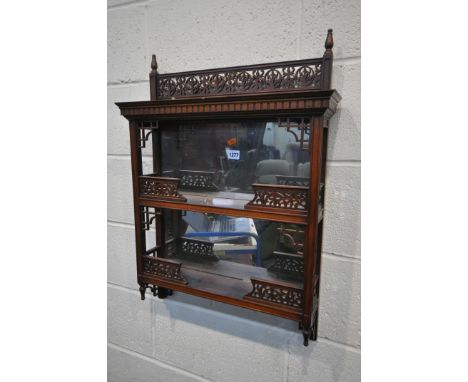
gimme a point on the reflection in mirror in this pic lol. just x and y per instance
(240, 245)
(230, 156)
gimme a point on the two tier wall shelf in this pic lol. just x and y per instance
(228, 171)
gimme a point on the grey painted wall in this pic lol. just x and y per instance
(185, 338)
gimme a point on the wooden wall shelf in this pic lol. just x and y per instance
(234, 145)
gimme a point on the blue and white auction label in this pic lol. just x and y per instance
(233, 154)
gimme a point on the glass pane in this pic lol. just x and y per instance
(227, 157)
(221, 253)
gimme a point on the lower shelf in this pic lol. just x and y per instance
(236, 284)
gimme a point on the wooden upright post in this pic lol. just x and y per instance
(140, 238)
(153, 79)
(327, 61)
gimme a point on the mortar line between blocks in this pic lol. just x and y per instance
(158, 362)
(124, 288)
(114, 85)
(126, 156)
(120, 224)
(354, 349)
(344, 163)
(347, 60)
(113, 223)
(128, 4)
(342, 257)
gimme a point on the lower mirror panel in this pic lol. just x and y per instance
(239, 258)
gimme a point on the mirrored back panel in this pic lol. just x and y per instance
(230, 156)
(233, 247)
(236, 257)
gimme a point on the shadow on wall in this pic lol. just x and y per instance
(230, 311)
(174, 316)
(344, 130)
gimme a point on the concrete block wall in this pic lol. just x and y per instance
(185, 338)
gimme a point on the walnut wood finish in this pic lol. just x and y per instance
(162, 188)
(271, 197)
(294, 89)
(277, 293)
(297, 103)
(163, 268)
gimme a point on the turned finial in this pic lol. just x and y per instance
(154, 64)
(329, 40)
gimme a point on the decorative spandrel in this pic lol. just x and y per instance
(149, 215)
(300, 129)
(145, 130)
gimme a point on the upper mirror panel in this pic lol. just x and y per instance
(230, 156)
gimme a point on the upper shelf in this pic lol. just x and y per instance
(235, 210)
(274, 202)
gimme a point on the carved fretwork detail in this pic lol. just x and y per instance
(149, 214)
(273, 197)
(201, 250)
(278, 293)
(303, 127)
(168, 269)
(285, 180)
(292, 238)
(197, 180)
(160, 188)
(288, 263)
(304, 74)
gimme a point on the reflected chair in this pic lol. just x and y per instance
(268, 169)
